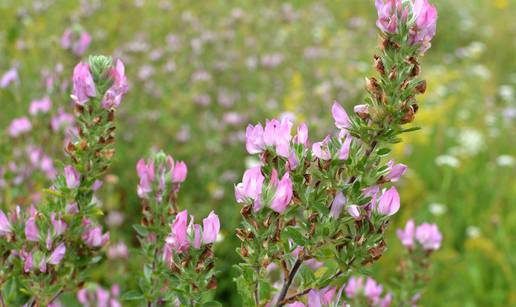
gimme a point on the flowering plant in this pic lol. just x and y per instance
(47, 249)
(319, 213)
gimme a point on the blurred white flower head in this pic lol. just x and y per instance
(505, 161)
(437, 209)
(447, 160)
(473, 231)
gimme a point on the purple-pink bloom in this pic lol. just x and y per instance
(31, 229)
(388, 15)
(211, 228)
(425, 25)
(361, 109)
(5, 225)
(429, 236)
(283, 194)
(178, 238)
(58, 224)
(93, 236)
(406, 235)
(354, 211)
(9, 77)
(338, 203)
(344, 150)
(116, 92)
(83, 85)
(251, 185)
(395, 171)
(19, 126)
(28, 262)
(277, 134)
(72, 177)
(354, 286)
(254, 139)
(179, 172)
(302, 135)
(295, 304)
(389, 202)
(372, 290)
(57, 255)
(40, 106)
(146, 174)
(340, 116)
(321, 149)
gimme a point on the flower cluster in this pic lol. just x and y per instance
(335, 197)
(52, 243)
(369, 292)
(417, 18)
(76, 39)
(427, 235)
(178, 250)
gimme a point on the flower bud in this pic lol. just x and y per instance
(72, 177)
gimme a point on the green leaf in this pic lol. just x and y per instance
(132, 295)
(295, 235)
(140, 230)
(383, 151)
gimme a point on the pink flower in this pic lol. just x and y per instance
(197, 236)
(361, 109)
(406, 235)
(278, 134)
(429, 236)
(72, 177)
(283, 194)
(302, 135)
(146, 174)
(178, 238)
(179, 172)
(254, 139)
(388, 15)
(83, 85)
(62, 119)
(344, 150)
(31, 229)
(59, 225)
(57, 255)
(389, 202)
(295, 304)
(28, 262)
(9, 77)
(354, 211)
(340, 116)
(338, 203)
(93, 236)
(323, 297)
(82, 44)
(5, 225)
(353, 286)
(321, 149)
(40, 106)
(251, 185)
(211, 228)
(386, 301)
(372, 290)
(425, 23)
(19, 126)
(116, 92)
(396, 171)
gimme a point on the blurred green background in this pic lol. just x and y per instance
(201, 70)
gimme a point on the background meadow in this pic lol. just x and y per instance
(200, 71)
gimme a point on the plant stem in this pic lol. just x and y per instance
(257, 287)
(58, 293)
(2, 303)
(288, 282)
